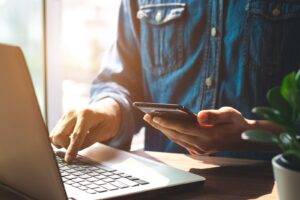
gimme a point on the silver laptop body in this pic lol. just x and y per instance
(27, 160)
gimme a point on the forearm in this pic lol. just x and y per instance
(113, 110)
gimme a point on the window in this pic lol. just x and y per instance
(21, 24)
(78, 32)
(88, 29)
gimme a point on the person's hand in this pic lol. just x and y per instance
(79, 129)
(217, 130)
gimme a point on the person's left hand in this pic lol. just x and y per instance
(216, 130)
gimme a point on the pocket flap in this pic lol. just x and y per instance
(274, 10)
(157, 14)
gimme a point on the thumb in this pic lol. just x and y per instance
(213, 117)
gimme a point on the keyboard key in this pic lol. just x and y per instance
(83, 187)
(77, 180)
(91, 191)
(94, 168)
(141, 182)
(64, 174)
(69, 182)
(82, 167)
(77, 185)
(119, 184)
(64, 168)
(107, 174)
(84, 183)
(115, 176)
(78, 173)
(100, 182)
(100, 171)
(85, 176)
(119, 173)
(92, 179)
(85, 171)
(70, 177)
(92, 186)
(124, 175)
(71, 170)
(132, 178)
(109, 186)
(101, 189)
(100, 177)
(108, 180)
(93, 174)
(127, 182)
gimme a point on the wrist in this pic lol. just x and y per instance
(112, 110)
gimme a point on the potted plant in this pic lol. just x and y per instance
(284, 110)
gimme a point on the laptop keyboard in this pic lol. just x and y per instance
(93, 177)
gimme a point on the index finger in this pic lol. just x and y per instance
(76, 139)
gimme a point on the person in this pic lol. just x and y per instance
(218, 58)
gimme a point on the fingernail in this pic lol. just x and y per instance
(68, 158)
(202, 117)
(156, 120)
(147, 118)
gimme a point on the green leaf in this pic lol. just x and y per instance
(260, 136)
(277, 101)
(286, 141)
(298, 80)
(297, 99)
(289, 89)
(272, 115)
(295, 154)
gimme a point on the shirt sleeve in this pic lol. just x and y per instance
(120, 75)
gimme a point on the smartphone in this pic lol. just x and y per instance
(171, 111)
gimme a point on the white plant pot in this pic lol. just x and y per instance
(287, 180)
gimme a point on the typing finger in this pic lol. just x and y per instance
(76, 139)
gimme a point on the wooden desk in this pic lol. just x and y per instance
(226, 178)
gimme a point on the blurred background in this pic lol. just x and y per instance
(88, 29)
(63, 42)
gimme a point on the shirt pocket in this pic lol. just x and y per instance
(162, 36)
(272, 42)
(273, 33)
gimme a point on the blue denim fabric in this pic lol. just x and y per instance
(165, 51)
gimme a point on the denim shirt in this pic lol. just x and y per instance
(203, 54)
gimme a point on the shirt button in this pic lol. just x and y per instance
(158, 16)
(208, 82)
(276, 12)
(213, 32)
(140, 15)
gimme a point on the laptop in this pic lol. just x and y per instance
(33, 168)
